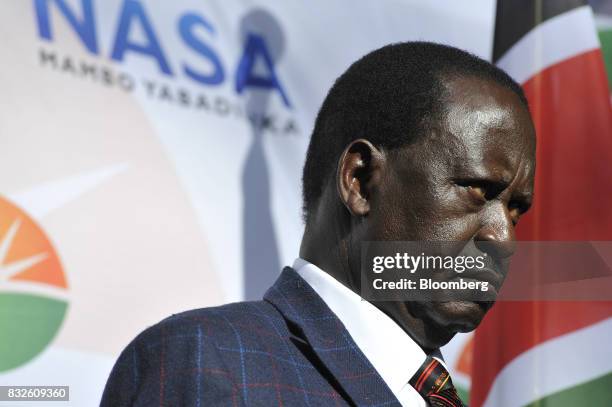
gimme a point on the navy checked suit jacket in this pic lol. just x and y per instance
(288, 350)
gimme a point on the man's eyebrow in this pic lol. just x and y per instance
(526, 197)
(494, 179)
(481, 172)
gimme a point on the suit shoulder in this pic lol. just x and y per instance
(219, 324)
(177, 343)
(204, 344)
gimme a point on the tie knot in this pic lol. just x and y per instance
(434, 384)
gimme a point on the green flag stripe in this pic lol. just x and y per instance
(593, 393)
(464, 393)
(605, 37)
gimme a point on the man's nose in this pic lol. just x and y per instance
(496, 235)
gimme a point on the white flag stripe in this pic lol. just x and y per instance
(557, 364)
(562, 37)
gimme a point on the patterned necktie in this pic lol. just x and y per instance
(433, 383)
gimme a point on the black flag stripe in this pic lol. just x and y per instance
(515, 18)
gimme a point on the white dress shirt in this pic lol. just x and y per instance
(394, 355)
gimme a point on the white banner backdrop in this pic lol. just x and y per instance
(151, 154)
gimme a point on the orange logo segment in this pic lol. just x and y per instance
(25, 252)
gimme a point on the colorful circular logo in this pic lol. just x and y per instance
(33, 288)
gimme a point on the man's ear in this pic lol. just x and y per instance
(359, 172)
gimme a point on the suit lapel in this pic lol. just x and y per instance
(329, 340)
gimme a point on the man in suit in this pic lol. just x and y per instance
(414, 142)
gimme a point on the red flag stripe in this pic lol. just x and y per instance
(571, 110)
(573, 184)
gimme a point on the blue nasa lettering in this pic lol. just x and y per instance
(186, 25)
(85, 29)
(245, 76)
(133, 13)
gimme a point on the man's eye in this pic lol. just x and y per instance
(477, 192)
(516, 209)
(515, 215)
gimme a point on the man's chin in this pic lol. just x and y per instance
(457, 316)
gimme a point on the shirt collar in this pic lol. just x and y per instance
(394, 355)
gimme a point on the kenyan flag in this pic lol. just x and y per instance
(554, 353)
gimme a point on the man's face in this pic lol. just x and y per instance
(468, 180)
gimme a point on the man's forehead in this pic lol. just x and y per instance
(470, 89)
(478, 112)
(482, 102)
(484, 128)
(466, 121)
